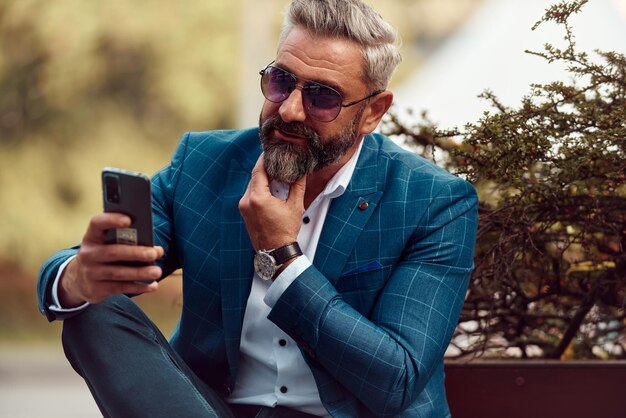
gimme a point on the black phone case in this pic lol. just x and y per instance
(134, 198)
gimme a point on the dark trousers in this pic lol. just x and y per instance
(132, 371)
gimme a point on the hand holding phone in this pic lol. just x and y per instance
(100, 269)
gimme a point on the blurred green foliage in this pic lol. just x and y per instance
(87, 84)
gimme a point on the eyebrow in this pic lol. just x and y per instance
(330, 84)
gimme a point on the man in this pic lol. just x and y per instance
(323, 276)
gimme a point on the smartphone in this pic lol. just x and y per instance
(128, 192)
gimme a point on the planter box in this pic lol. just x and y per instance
(536, 389)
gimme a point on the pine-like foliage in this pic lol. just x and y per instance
(550, 277)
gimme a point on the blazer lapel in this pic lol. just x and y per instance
(348, 214)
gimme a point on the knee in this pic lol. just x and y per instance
(99, 324)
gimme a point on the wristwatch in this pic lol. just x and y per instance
(267, 262)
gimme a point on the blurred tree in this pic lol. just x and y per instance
(550, 277)
(145, 57)
(23, 105)
(89, 84)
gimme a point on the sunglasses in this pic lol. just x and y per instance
(321, 103)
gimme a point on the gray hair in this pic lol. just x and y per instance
(355, 21)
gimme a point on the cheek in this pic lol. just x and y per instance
(270, 108)
(266, 109)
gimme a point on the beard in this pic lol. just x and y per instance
(287, 162)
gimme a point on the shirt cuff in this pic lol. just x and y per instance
(56, 305)
(285, 278)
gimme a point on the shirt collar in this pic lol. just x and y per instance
(339, 182)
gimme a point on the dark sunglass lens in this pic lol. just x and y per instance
(277, 84)
(321, 102)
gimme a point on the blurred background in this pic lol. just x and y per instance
(86, 84)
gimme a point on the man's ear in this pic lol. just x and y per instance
(375, 111)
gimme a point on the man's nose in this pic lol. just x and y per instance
(292, 108)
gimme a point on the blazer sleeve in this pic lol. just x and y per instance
(385, 360)
(164, 184)
(47, 274)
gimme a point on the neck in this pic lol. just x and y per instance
(316, 182)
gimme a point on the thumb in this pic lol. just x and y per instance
(297, 189)
(259, 175)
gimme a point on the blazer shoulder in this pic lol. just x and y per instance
(400, 163)
(236, 142)
(208, 154)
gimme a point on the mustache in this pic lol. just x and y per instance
(290, 128)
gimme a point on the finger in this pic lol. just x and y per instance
(258, 189)
(260, 163)
(160, 251)
(103, 221)
(133, 287)
(112, 253)
(297, 190)
(106, 289)
(259, 175)
(125, 274)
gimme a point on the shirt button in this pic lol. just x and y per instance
(363, 206)
(306, 220)
(283, 389)
(282, 342)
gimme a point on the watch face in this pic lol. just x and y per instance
(264, 265)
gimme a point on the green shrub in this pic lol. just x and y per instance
(550, 277)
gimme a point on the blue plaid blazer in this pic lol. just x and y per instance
(376, 311)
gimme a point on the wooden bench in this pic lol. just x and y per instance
(536, 389)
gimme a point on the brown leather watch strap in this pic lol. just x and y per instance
(286, 252)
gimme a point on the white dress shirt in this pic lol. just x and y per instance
(272, 370)
(56, 305)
